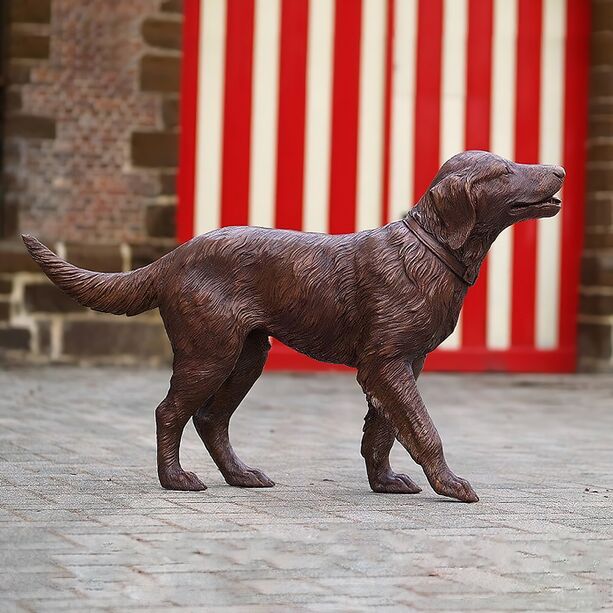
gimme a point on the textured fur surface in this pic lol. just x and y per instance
(377, 300)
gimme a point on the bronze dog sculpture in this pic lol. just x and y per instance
(378, 300)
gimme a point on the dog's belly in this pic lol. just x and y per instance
(324, 348)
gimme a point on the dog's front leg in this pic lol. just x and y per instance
(377, 441)
(392, 390)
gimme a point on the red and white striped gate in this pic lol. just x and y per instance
(334, 115)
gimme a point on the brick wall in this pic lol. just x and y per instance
(596, 308)
(90, 134)
(91, 123)
(89, 156)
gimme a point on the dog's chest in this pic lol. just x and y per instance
(433, 314)
(445, 319)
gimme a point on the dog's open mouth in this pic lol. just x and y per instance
(550, 201)
(542, 208)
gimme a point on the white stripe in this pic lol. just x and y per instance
(550, 138)
(318, 115)
(499, 268)
(264, 113)
(371, 115)
(403, 108)
(207, 189)
(453, 98)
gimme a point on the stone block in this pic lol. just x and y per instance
(602, 15)
(155, 149)
(30, 126)
(596, 304)
(163, 33)
(142, 255)
(595, 341)
(161, 221)
(599, 240)
(172, 6)
(15, 338)
(24, 45)
(101, 258)
(601, 48)
(46, 298)
(15, 258)
(601, 106)
(160, 73)
(601, 81)
(6, 286)
(5, 311)
(30, 11)
(112, 338)
(600, 179)
(597, 270)
(18, 73)
(600, 152)
(599, 212)
(600, 123)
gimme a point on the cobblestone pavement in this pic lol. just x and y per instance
(84, 524)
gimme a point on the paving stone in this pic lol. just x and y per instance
(84, 524)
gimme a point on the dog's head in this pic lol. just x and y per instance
(477, 194)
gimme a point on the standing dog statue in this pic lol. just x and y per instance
(378, 300)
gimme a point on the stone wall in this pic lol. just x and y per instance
(39, 323)
(596, 308)
(90, 139)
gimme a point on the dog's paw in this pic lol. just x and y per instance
(394, 483)
(251, 477)
(181, 480)
(447, 484)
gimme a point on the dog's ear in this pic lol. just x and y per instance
(453, 205)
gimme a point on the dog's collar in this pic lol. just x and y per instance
(442, 252)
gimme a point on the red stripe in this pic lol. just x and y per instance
(428, 93)
(292, 99)
(526, 151)
(345, 103)
(477, 136)
(189, 106)
(575, 133)
(387, 118)
(237, 113)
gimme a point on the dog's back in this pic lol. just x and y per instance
(300, 287)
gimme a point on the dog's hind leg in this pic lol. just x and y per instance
(195, 379)
(392, 388)
(377, 441)
(212, 420)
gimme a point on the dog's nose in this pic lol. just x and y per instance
(559, 172)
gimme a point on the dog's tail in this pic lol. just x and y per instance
(122, 293)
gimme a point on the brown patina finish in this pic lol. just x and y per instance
(378, 300)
